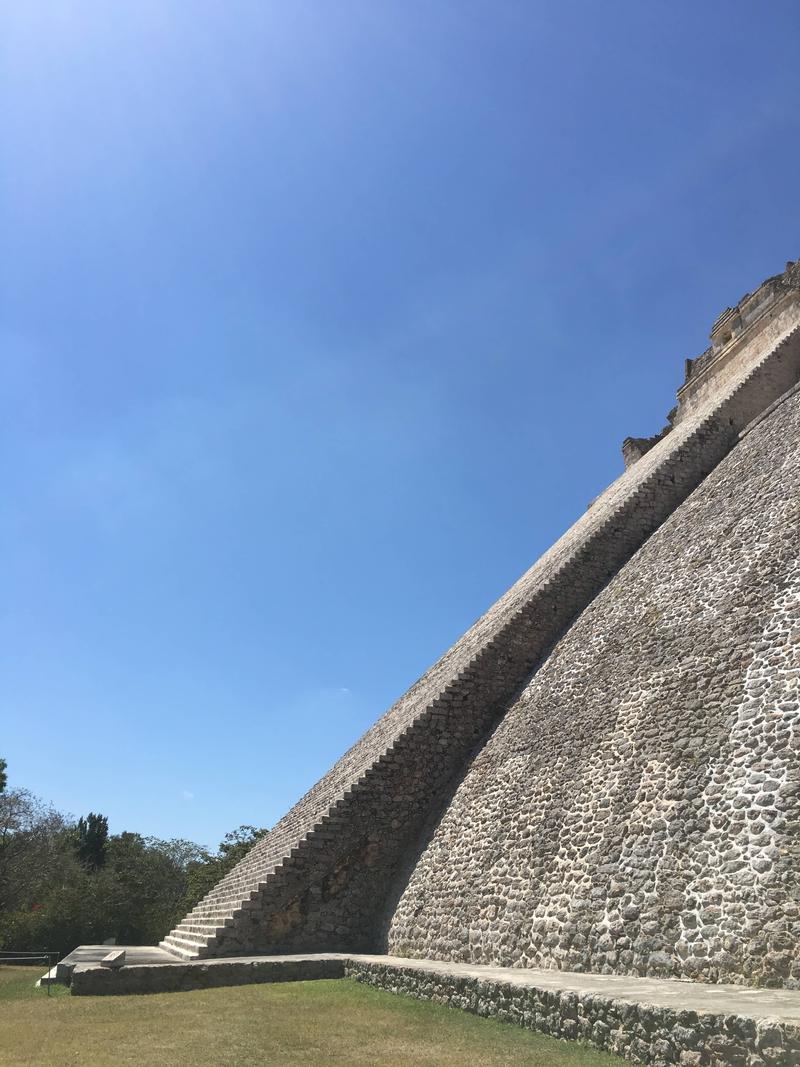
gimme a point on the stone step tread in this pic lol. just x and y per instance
(197, 928)
(224, 911)
(202, 925)
(179, 953)
(190, 944)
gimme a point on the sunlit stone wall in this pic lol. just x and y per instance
(638, 809)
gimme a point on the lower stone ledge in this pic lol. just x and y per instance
(93, 980)
(637, 1031)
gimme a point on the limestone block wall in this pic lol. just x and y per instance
(637, 810)
(320, 880)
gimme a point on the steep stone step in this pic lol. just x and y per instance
(225, 907)
(179, 953)
(191, 942)
(199, 928)
(187, 946)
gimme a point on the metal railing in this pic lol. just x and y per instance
(49, 958)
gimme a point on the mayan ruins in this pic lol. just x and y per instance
(601, 776)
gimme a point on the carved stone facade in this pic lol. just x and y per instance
(602, 773)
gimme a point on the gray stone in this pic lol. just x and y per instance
(114, 960)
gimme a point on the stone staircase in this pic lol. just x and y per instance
(200, 933)
(208, 931)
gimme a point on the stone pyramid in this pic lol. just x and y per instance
(602, 774)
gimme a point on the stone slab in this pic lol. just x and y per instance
(94, 954)
(92, 979)
(50, 977)
(114, 960)
(133, 954)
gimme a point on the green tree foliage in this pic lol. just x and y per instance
(34, 839)
(91, 840)
(64, 884)
(3, 775)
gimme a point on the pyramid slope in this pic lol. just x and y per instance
(637, 810)
(328, 875)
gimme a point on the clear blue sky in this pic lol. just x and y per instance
(320, 322)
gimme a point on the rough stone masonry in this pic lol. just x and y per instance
(602, 773)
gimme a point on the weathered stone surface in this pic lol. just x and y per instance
(114, 960)
(92, 979)
(636, 809)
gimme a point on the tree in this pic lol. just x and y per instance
(136, 897)
(64, 883)
(3, 775)
(37, 862)
(34, 847)
(92, 838)
(147, 880)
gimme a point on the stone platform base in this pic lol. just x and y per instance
(179, 977)
(645, 1020)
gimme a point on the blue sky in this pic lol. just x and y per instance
(319, 322)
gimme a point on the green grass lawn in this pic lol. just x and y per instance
(325, 1024)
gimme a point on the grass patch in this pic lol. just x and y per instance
(325, 1024)
(19, 983)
